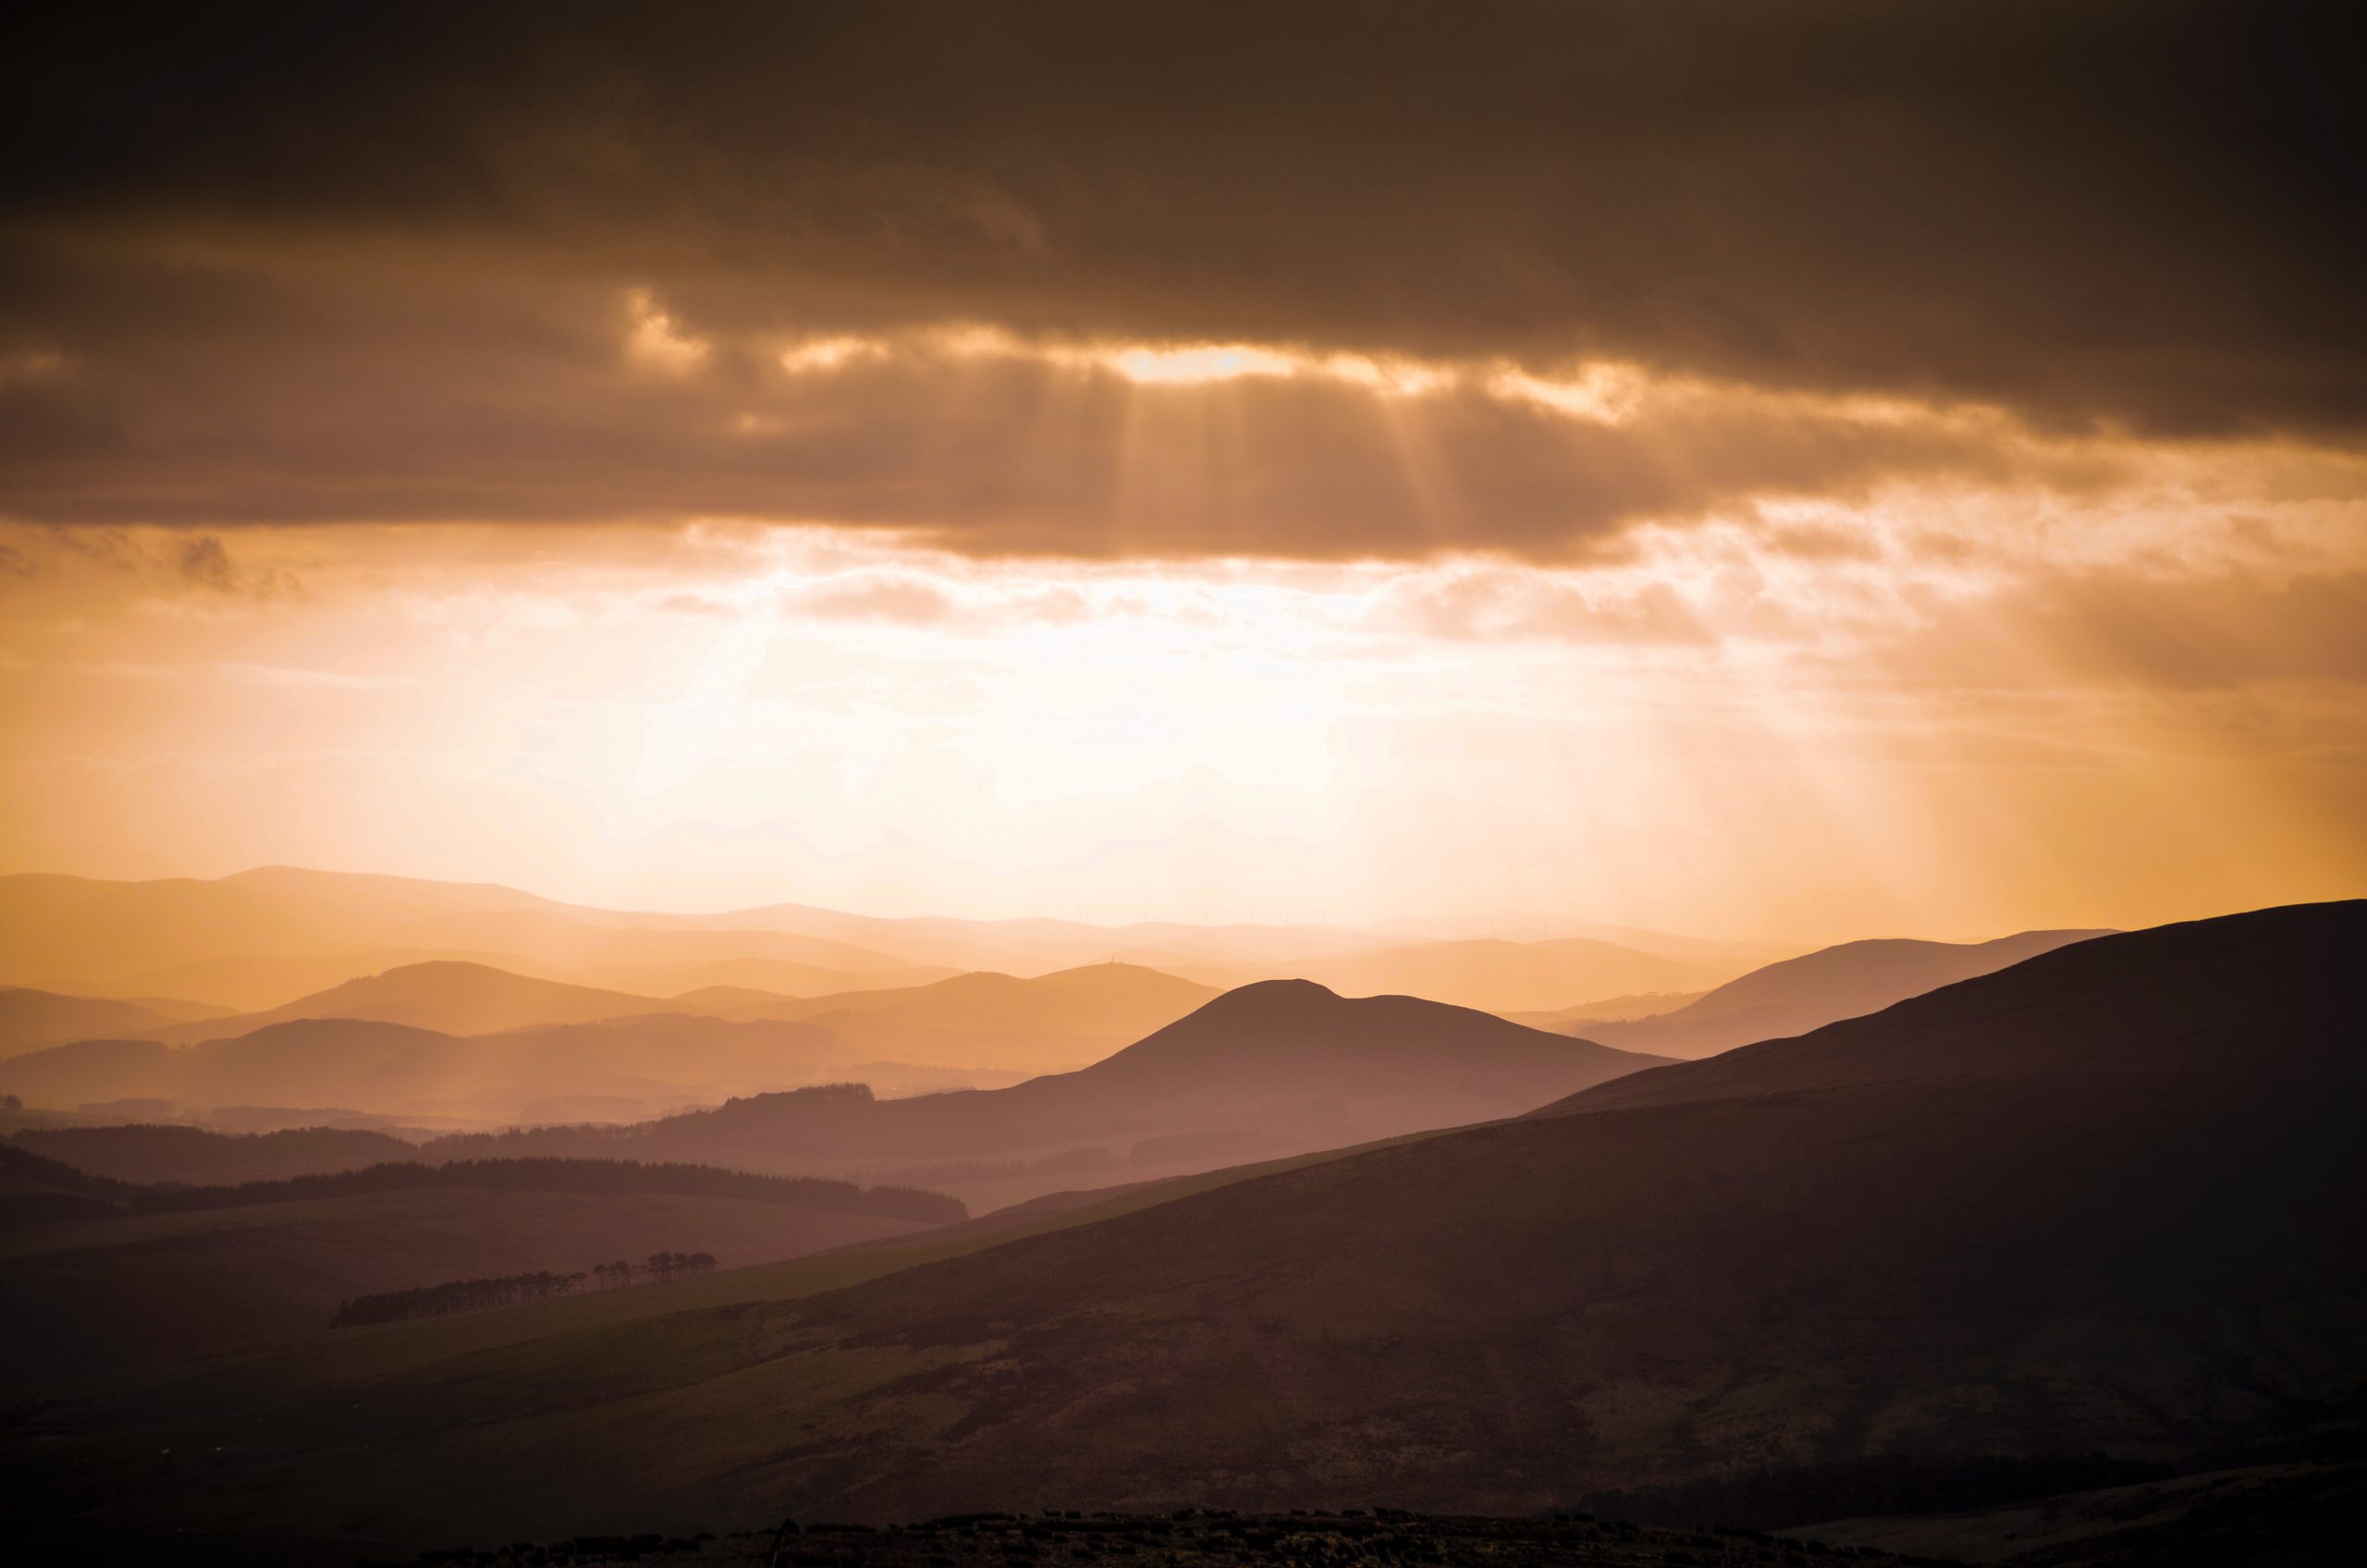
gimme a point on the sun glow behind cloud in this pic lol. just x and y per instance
(1597, 391)
(1003, 623)
(1797, 724)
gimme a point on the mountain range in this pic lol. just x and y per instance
(546, 1050)
(1270, 1069)
(2104, 1202)
(31, 1019)
(254, 942)
(1795, 995)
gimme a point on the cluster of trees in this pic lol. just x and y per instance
(512, 1290)
(658, 1268)
(146, 1151)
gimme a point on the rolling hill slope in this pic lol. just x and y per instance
(193, 1272)
(1487, 973)
(448, 997)
(1804, 993)
(31, 1019)
(617, 1070)
(1269, 1070)
(1051, 1022)
(2105, 1200)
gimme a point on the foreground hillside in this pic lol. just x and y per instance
(2083, 1247)
(107, 1275)
(1270, 1070)
(2106, 1199)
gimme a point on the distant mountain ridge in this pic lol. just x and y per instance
(1272, 1067)
(31, 1019)
(446, 996)
(645, 1055)
(256, 940)
(1490, 973)
(1799, 994)
(637, 1064)
(79, 934)
(1044, 1022)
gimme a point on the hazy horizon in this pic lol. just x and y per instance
(1383, 926)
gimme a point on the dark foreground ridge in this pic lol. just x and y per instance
(1190, 1540)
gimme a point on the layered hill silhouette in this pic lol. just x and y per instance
(615, 1070)
(1516, 926)
(78, 933)
(769, 977)
(2107, 1200)
(390, 1044)
(1063, 1020)
(452, 998)
(259, 940)
(1487, 973)
(1799, 994)
(252, 983)
(30, 1019)
(1269, 1069)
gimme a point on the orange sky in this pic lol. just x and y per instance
(943, 472)
(1940, 707)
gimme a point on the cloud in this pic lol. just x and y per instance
(2135, 210)
(896, 600)
(1504, 605)
(2170, 636)
(174, 563)
(289, 391)
(2211, 632)
(1148, 281)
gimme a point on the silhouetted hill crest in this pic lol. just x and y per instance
(2133, 1001)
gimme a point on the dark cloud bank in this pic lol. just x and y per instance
(263, 264)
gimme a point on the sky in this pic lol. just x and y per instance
(1782, 469)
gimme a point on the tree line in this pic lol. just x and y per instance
(514, 1289)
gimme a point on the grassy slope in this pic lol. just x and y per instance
(590, 1364)
(153, 1289)
(2141, 1256)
